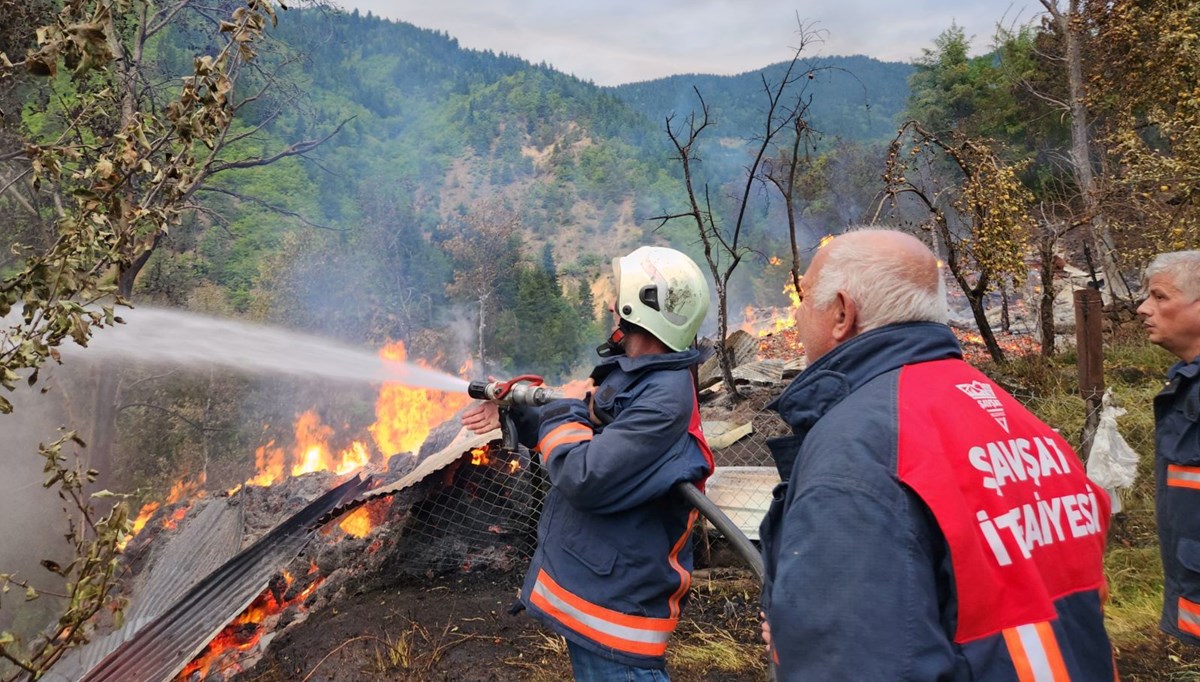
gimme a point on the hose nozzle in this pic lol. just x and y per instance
(527, 389)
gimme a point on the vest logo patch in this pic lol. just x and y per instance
(985, 395)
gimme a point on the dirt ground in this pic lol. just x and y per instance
(1160, 658)
(458, 628)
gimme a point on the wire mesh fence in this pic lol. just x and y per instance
(482, 510)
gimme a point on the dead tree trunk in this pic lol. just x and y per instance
(1070, 23)
(1045, 310)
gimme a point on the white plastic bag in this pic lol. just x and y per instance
(1112, 464)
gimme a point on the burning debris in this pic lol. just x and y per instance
(481, 513)
(189, 581)
(223, 656)
(163, 635)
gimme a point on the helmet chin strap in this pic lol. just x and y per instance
(612, 347)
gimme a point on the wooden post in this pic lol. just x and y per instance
(1089, 340)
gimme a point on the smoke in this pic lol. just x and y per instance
(32, 521)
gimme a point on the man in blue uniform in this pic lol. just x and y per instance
(928, 527)
(613, 563)
(1171, 314)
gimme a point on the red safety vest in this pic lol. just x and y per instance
(1024, 524)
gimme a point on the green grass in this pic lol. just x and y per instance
(714, 649)
(1135, 593)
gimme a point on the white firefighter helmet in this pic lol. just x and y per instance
(662, 291)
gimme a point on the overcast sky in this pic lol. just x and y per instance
(621, 41)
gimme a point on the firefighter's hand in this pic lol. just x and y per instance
(482, 418)
(581, 389)
(766, 630)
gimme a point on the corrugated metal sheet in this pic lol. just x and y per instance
(160, 649)
(205, 542)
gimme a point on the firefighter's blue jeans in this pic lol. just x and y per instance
(589, 666)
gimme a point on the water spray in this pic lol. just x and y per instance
(180, 338)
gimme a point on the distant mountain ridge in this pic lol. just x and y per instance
(857, 98)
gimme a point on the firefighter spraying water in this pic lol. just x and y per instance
(625, 455)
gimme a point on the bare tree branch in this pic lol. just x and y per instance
(296, 149)
(164, 16)
(273, 208)
(173, 414)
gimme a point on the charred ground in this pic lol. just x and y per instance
(459, 628)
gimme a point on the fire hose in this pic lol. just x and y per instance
(529, 390)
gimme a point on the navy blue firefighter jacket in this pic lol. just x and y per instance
(1177, 498)
(613, 561)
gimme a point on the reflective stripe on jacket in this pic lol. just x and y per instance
(1177, 498)
(878, 563)
(613, 562)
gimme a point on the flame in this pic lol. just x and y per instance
(143, 516)
(311, 436)
(353, 458)
(310, 452)
(404, 415)
(246, 630)
(824, 241)
(479, 457)
(186, 489)
(749, 320)
(360, 522)
(780, 319)
(268, 461)
(514, 466)
(975, 350)
(139, 523)
(172, 522)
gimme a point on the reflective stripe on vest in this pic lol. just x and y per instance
(1189, 617)
(685, 577)
(1035, 653)
(571, 432)
(636, 635)
(1179, 476)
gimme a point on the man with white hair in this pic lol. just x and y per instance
(1171, 314)
(928, 527)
